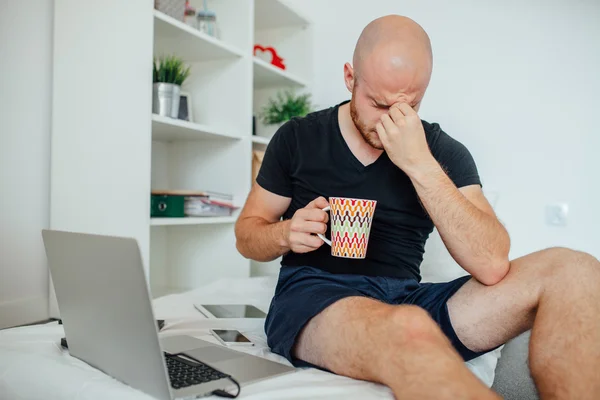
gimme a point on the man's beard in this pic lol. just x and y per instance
(362, 128)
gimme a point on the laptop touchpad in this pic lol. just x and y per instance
(213, 354)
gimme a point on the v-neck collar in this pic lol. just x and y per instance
(348, 152)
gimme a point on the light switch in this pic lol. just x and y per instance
(557, 213)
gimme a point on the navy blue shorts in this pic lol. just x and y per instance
(303, 292)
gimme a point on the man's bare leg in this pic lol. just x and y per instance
(557, 293)
(399, 346)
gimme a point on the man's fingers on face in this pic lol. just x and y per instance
(395, 114)
(383, 136)
(381, 131)
(405, 108)
(388, 124)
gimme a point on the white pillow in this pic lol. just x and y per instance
(438, 265)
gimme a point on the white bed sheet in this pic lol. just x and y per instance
(33, 366)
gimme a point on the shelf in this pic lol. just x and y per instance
(167, 129)
(271, 14)
(191, 221)
(267, 75)
(174, 37)
(260, 140)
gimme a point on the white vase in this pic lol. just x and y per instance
(165, 99)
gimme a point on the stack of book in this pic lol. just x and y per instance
(191, 203)
(209, 204)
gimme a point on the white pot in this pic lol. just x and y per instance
(165, 99)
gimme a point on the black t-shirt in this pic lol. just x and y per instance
(308, 157)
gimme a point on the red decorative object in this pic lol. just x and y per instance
(275, 59)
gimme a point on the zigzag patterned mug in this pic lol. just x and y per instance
(350, 226)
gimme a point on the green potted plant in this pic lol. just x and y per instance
(282, 108)
(169, 73)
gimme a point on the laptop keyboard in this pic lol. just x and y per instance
(184, 373)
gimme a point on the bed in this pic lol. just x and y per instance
(33, 366)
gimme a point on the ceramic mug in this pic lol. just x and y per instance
(350, 226)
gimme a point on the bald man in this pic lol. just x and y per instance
(373, 319)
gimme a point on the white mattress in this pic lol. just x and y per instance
(33, 365)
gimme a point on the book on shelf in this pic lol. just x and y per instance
(201, 193)
(191, 203)
(204, 207)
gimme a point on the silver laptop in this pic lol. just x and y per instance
(105, 307)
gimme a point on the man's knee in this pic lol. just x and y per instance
(565, 260)
(413, 324)
(561, 265)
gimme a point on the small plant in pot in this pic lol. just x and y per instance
(282, 108)
(169, 73)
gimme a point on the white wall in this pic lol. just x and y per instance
(517, 82)
(25, 91)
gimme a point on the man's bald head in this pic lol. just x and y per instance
(393, 63)
(392, 43)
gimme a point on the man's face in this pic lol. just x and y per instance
(372, 96)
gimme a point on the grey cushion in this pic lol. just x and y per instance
(513, 379)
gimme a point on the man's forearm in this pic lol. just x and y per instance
(476, 240)
(260, 240)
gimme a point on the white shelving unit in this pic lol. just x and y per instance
(109, 151)
(260, 140)
(267, 75)
(174, 37)
(166, 129)
(272, 14)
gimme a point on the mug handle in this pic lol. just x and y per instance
(323, 238)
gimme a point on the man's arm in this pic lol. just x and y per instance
(466, 222)
(261, 236)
